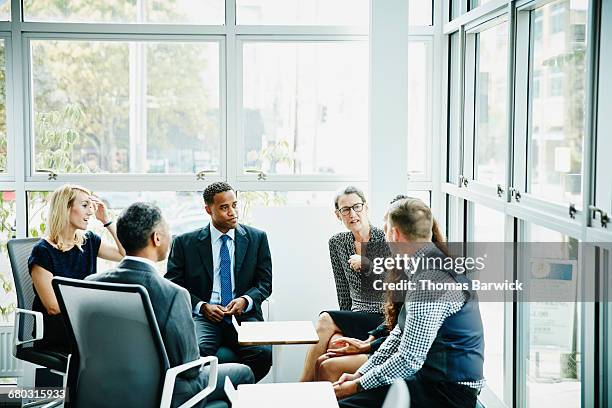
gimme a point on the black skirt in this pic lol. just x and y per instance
(355, 324)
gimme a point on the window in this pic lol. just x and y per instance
(121, 11)
(557, 17)
(554, 328)
(454, 109)
(8, 301)
(3, 130)
(556, 81)
(304, 107)
(302, 12)
(126, 107)
(491, 105)
(419, 108)
(488, 227)
(557, 120)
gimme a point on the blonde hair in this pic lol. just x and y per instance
(412, 217)
(60, 203)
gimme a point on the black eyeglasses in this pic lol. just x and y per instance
(355, 207)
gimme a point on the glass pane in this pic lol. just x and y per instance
(454, 111)
(303, 12)
(557, 101)
(455, 8)
(491, 105)
(3, 132)
(5, 10)
(8, 301)
(304, 107)
(454, 219)
(126, 107)
(488, 226)
(419, 107)
(476, 3)
(553, 357)
(131, 11)
(420, 13)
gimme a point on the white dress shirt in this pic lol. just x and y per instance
(141, 259)
(215, 241)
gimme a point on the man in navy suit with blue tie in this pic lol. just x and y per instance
(227, 269)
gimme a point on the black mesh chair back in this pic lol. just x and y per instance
(19, 251)
(122, 361)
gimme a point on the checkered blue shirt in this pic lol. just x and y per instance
(403, 353)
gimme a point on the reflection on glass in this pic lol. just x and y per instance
(303, 12)
(557, 101)
(121, 11)
(119, 107)
(8, 300)
(488, 226)
(419, 119)
(491, 105)
(553, 357)
(304, 107)
(3, 133)
(454, 113)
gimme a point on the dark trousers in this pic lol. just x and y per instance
(423, 394)
(212, 335)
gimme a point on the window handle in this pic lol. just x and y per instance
(572, 211)
(500, 191)
(51, 173)
(515, 193)
(463, 181)
(603, 216)
(260, 174)
(201, 175)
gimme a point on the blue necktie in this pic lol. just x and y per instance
(225, 272)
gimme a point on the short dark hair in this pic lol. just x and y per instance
(136, 224)
(346, 191)
(215, 188)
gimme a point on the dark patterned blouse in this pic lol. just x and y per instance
(355, 288)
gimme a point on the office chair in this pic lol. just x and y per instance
(398, 395)
(121, 358)
(28, 325)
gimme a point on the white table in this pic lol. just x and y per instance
(286, 395)
(262, 333)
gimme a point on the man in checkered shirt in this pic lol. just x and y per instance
(437, 346)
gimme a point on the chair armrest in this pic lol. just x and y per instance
(267, 309)
(38, 319)
(174, 371)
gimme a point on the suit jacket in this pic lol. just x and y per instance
(173, 314)
(190, 265)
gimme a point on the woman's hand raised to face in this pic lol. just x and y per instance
(100, 209)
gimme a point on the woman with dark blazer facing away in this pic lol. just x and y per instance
(361, 307)
(69, 251)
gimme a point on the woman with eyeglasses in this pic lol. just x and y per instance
(361, 307)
